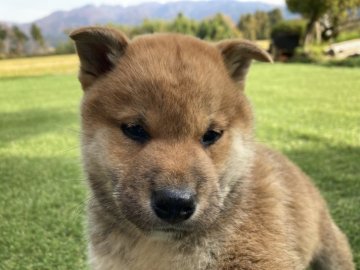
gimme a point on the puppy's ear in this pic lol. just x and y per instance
(238, 54)
(99, 50)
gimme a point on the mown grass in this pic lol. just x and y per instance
(311, 113)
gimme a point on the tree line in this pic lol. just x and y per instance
(216, 28)
(253, 26)
(15, 42)
(258, 25)
(250, 26)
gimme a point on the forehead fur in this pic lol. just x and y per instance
(178, 78)
(177, 52)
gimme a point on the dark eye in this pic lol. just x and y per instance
(210, 137)
(135, 132)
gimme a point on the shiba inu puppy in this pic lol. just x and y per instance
(177, 181)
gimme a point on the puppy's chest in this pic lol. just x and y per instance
(151, 255)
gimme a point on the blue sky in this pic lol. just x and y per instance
(27, 11)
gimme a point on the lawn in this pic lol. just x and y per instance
(311, 113)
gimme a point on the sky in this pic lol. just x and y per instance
(21, 11)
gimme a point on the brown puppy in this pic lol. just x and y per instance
(176, 179)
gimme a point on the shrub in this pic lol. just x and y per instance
(348, 35)
(348, 62)
(65, 48)
(286, 36)
(294, 27)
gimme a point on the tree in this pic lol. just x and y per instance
(341, 11)
(3, 36)
(258, 25)
(18, 40)
(183, 25)
(217, 28)
(37, 36)
(312, 10)
(148, 27)
(247, 25)
(262, 25)
(275, 16)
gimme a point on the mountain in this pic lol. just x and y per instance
(53, 25)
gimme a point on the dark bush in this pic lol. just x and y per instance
(294, 27)
(286, 36)
(348, 62)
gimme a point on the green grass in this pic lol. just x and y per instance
(311, 113)
(41, 188)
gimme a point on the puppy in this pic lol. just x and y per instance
(177, 181)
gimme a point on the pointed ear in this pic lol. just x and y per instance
(99, 49)
(238, 54)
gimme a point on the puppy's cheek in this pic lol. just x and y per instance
(101, 161)
(237, 166)
(95, 157)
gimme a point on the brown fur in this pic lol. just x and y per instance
(255, 209)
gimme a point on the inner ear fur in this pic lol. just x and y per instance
(99, 50)
(238, 54)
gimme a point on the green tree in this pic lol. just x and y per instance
(248, 26)
(37, 36)
(312, 10)
(3, 36)
(19, 39)
(217, 28)
(275, 16)
(149, 27)
(341, 11)
(258, 25)
(183, 25)
(262, 25)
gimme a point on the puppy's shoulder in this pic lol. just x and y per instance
(271, 162)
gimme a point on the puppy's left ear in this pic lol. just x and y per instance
(99, 50)
(238, 54)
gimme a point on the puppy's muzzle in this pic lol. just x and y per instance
(173, 205)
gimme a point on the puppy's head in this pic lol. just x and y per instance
(166, 126)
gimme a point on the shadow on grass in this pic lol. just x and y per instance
(41, 209)
(335, 169)
(331, 165)
(28, 123)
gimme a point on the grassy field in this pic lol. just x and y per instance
(311, 113)
(35, 66)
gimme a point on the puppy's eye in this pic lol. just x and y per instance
(210, 137)
(135, 132)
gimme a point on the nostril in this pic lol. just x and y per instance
(173, 205)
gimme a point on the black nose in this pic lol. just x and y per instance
(173, 205)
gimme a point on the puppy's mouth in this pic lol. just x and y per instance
(171, 230)
(169, 233)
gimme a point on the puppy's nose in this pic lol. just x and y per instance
(173, 205)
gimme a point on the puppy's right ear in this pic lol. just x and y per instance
(99, 49)
(238, 55)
